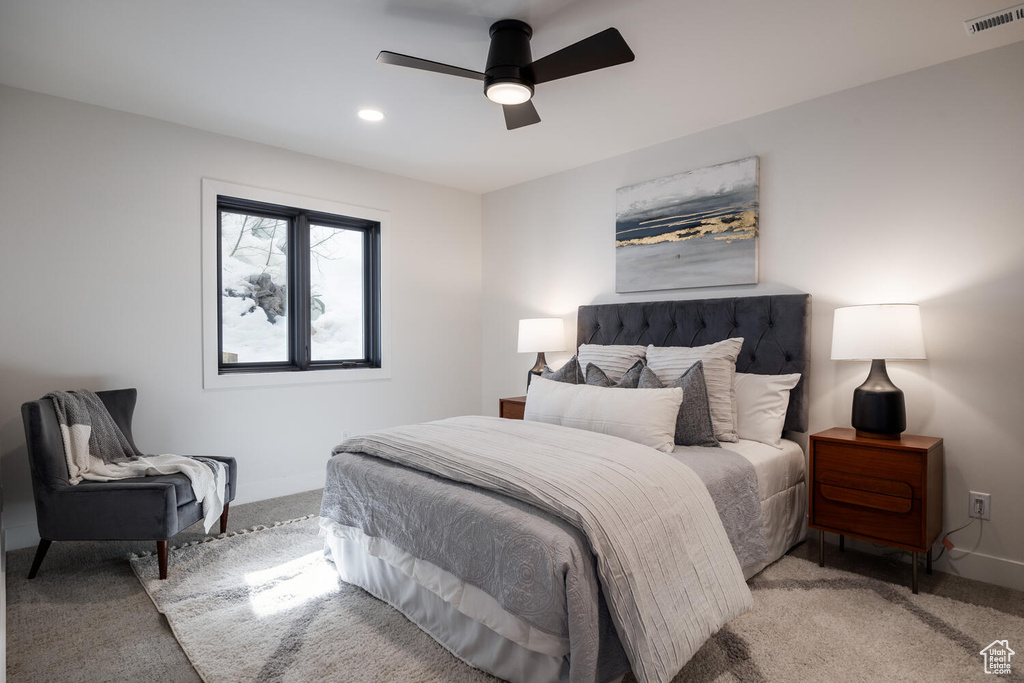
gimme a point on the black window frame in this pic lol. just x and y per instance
(298, 285)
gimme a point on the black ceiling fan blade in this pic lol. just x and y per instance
(599, 51)
(519, 115)
(396, 59)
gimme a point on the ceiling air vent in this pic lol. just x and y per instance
(1000, 18)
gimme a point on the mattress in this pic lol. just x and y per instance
(782, 490)
(777, 468)
(475, 628)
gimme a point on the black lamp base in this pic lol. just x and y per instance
(879, 410)
(537, 368)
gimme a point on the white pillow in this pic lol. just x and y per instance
(669, 362)
(761, 403)
(645, 416)
(613, 359)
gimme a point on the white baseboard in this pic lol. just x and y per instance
(27, 535)
(999, 571)
(280, 486)
(22, 536)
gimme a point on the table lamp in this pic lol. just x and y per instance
(878, 333)
(540, 335)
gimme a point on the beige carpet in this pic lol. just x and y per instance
(823, 624)
(265, 605)
(86, 618)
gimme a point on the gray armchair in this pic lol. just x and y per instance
(138, 509)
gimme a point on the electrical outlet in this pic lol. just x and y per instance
(981, 505)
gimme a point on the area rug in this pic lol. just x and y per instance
(264, 605)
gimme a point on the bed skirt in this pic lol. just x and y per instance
(432, 609)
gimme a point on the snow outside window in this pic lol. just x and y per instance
(297, 289)
(292, 284)
(336, 293)
(254, 281)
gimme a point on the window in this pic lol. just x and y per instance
(298, 288)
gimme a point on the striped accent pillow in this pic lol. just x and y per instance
(670, 362)
(614, 359)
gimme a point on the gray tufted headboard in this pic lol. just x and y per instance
(775, 331)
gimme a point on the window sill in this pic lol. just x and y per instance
(238, 380)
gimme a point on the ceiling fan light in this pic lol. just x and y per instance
(508, 92)
(371, 115)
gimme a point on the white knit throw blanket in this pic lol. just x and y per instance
(96, 450)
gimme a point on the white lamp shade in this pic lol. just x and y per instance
(880, 331)
(537, 335)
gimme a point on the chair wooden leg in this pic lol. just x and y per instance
(224, 519)
(161, 554)
(44, 545)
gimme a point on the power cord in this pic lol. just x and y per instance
(894, 556)
(948, 544)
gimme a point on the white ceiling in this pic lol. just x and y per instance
(293, 73)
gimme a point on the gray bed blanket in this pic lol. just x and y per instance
(536, 566)
(732, 483)
(484, 537)
(666, 567)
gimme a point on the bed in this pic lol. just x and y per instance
(513, 583)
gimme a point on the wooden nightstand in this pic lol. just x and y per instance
(886, 491)
(512, 408)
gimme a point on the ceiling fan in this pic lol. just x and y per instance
(511, 74)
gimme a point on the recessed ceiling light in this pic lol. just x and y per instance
(371, 115)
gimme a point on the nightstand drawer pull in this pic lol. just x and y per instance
(886, 487)
(866, 499)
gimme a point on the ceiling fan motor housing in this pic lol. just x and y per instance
(511, 73)
(509, 54)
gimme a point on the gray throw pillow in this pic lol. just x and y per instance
(693, 425)
(569, 373)
(597, 377)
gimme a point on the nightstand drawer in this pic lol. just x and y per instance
(877, 494)
(891, 519)
(875, 470)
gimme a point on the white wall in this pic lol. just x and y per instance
(904, 190)
(100, 288)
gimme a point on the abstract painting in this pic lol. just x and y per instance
(695, 229)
